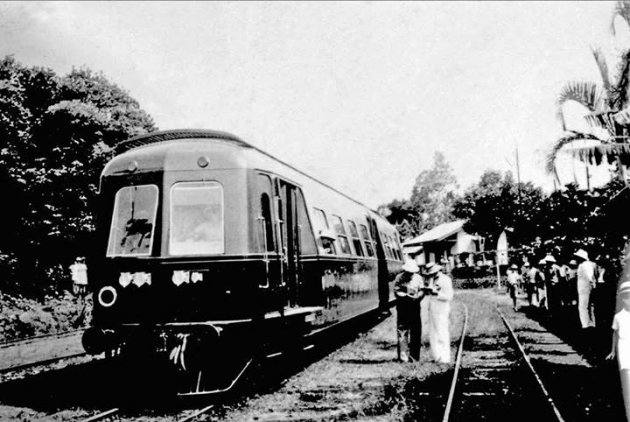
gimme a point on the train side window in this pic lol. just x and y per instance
(356, 241)
(388, 251)
(265, 209)
(365, 234)
(196, 219)
(325, 235)
(341, 235)
(133, 221)
(307, 241)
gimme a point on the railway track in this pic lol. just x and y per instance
(498, 381)
(33, 339)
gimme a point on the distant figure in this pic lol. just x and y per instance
(541, 284)
(441, 294)
(571, 276)
(529, 284)
(585, 284)
(554, 281)
(621, 342)
(408, 291)
(78, 271)
(513, 281)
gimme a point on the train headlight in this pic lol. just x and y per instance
(107, 296)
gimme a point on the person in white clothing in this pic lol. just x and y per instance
(440, 288)
(78, 271)
(621, 342)
(585, 283)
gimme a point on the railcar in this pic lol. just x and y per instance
(212, 252)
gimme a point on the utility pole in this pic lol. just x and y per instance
(518, 181)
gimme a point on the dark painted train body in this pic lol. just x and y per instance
(211, 248)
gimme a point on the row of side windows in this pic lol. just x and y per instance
(354, 241)
(391, 247)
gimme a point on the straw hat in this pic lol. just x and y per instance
(573, 262)
(410, 267)
(542, 262)
(513, 267)
(550, 258)
(431, 268)
(527, 264)
(582, 254)
(624, 287)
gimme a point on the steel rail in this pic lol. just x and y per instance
(102, 415)
(458, 363)
(524, 355)
(40, 363)
(31, 339)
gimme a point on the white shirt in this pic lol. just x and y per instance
(79, 273)
(621, 324)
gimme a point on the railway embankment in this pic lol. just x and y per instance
(22, 317)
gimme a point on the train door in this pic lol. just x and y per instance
(288, 202)
(383, 272)
(271, 287)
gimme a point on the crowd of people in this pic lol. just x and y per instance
(415, 289)
(555, 286)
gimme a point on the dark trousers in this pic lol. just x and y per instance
(409, 328)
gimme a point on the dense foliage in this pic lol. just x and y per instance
(56, 134)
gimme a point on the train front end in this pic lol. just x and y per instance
(174, 282)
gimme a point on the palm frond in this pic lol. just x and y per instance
(605, 120)
(607, 151)
(619, 95)
(602, 66)
(622, 9)
(589, 94)
(567, 139)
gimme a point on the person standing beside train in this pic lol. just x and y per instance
(621, 342)
(440, 288)
(585, 284)
(408, 291)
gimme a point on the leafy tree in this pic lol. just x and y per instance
(497, 202)
(57, 133)
(430, 203)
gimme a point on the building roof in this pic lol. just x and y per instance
(437, 233)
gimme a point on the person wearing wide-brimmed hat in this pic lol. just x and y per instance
(585, 283)
(408, 292)
(553, 282)
(440, 288)
(621, 341)
(513, 280)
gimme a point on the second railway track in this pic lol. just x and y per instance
(497, 382)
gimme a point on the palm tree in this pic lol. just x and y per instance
(609, 111)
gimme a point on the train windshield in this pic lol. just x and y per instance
(133, 222)
(196, 219)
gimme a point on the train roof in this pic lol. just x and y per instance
(170, 138)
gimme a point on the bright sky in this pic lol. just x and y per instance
(359, 95)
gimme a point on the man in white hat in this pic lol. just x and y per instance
(441, 293)
(408, 291)
(585, 283)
